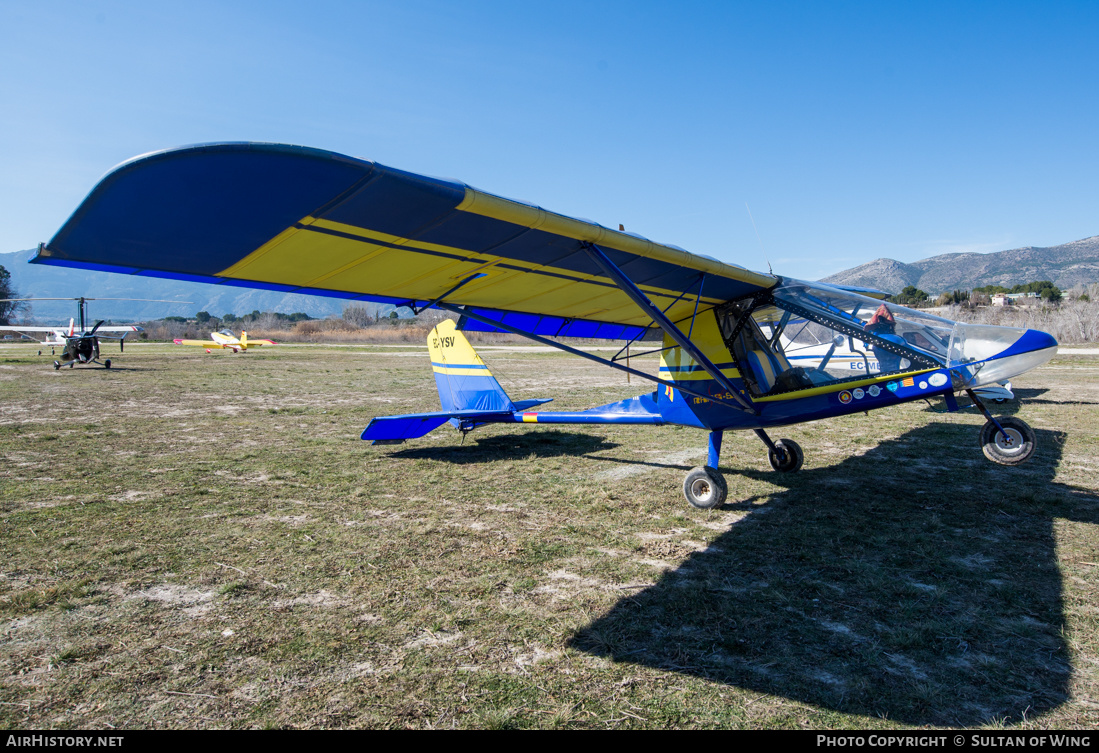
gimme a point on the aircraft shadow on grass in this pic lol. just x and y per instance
(1023, 398)
(898, 584)
(541, 444)
(1027, 397)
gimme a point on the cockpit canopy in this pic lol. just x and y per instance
(811, 334)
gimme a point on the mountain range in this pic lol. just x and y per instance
(1066, 265)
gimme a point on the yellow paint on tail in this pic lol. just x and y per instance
(452, 354)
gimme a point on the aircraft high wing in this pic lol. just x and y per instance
(302, 220)
(294, 219)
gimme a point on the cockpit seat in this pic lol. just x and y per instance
(766, 367)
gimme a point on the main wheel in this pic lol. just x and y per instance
(705, 488)
(1017, 448)
(791, 458)
(56, 365)
(107, 364)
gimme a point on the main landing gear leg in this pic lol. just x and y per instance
(1009, 441)
(705, 487)
(785, 454)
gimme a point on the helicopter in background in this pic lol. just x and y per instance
(79, 345)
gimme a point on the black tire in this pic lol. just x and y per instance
(705, 488)
(56, 365)
(1021, 443)
(791, 459)
(107, 364)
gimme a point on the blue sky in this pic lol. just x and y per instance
(851, 130)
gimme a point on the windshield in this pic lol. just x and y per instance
(811, 334)
(927, 337)
(874, 337)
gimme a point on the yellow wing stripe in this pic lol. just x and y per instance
(355, 256)
(536, 218)
(338, 260)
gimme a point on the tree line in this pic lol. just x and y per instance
(9, 309)
(913, 297)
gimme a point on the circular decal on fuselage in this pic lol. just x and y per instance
(845, 397)
(874, 390)
(892, 386)
(923, 385)
(857, 393)
(937, 380)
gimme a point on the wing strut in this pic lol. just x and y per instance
(421, 309)
(700, 283)
(650, 309)
(576, 352)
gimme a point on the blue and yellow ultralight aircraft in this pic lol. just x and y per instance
(300, 220)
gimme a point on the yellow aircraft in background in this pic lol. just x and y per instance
(226, 340)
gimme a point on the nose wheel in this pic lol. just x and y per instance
(1011, 446)
(1008, 441)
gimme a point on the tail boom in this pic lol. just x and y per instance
(471, 396)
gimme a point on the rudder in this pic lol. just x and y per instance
(462, 378)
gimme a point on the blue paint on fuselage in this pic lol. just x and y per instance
(687, 410)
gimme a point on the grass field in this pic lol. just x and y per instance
(202, 541)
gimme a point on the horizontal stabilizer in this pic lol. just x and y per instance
(414, 425)
(523, 405)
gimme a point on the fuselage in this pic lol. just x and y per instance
(750, 379)
(756, 347)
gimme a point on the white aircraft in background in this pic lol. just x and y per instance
(58, 337)
(79, 344)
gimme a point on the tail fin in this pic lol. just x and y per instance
(469, 394)
(243, 340)
(462, 378)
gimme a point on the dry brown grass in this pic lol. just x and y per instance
(197, 540)
(1073, 322)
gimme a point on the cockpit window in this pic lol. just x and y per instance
(803, 334)
(808, 335)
